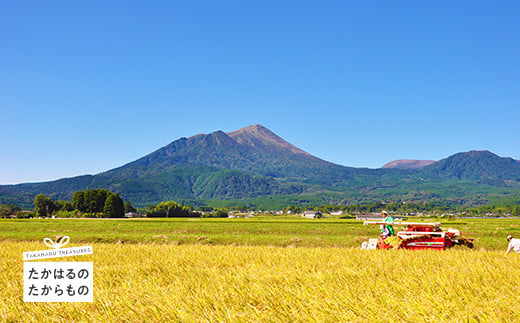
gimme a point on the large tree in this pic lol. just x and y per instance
(94, 200)
(64, 206)
(100, 197)
(44, 206)
(8, 210)
(78, 200)
(170, 209)
(114, 206)
(90, 201)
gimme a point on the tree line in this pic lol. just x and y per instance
(103, 203)
(170, 209)
(408, 208)
(99, 201)
(89, 203)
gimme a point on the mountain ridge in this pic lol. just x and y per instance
(253, 162)
(480, 165)
(251, 149)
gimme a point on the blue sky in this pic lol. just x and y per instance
(87, 86)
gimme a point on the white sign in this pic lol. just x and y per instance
(57, 252)
(58, 282)
(65, 252)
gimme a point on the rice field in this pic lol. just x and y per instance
(201, 282)
(489, 234)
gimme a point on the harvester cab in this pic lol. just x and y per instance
(418, 235)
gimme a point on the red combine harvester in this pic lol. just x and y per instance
(418, 235)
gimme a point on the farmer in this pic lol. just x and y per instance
(513, 244)
(387, 230)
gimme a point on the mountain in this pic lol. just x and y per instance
(253, 162)
(479, 166)
(246, 163)
(253, 149)
(408, 163)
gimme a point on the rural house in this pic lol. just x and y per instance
(312, 215)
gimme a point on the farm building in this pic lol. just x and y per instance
(132, 215)
(312, 215)
(241, 215)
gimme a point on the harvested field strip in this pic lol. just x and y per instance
(489, 234)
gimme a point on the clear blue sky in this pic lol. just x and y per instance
(87, 86)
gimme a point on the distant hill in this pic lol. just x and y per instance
(253, 162)
(479, 166)
(408, 163)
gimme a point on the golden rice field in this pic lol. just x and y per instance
(204, 283)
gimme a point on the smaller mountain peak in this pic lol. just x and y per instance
(476, 164)
(408, 163)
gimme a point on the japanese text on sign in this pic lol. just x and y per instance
(58, 281)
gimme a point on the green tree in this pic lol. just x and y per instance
(64, 206)
(94, 200)
(44, 206)
(8, 210)
(78, 201)
(5, 211)
(109, 208)
(129, 207)
(221, 214)
(120, 206)
(170, 209)
(90, 201)
(114, 207)
(100, 198)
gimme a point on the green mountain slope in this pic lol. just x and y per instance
(201, 182)
(478, 166)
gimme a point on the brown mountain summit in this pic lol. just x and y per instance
(408, 163)
(258, 136)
